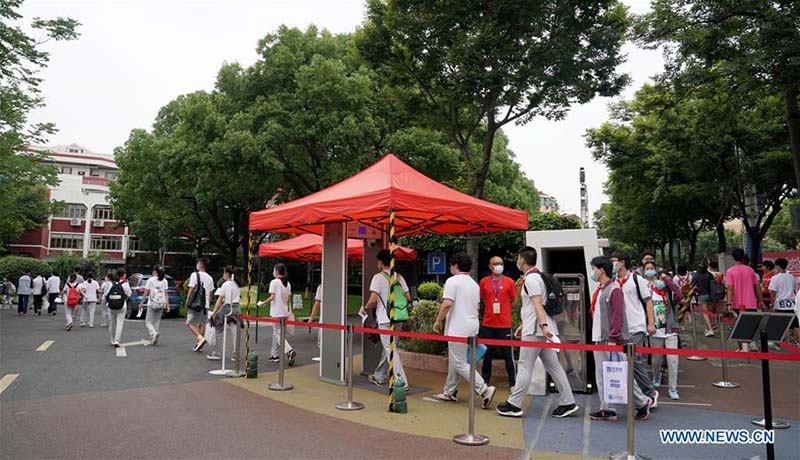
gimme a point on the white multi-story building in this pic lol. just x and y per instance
(86, 223)
(547, 203)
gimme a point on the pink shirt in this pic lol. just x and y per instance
(744, 281)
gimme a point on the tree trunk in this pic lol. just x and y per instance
(473, 246)
(663, 255)
(693, 248)
(792, 96)
(722, 242)
(755, 250)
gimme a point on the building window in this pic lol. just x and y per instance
(66, 170)
(106, 243)
(102, 213)
(111, 175)
(66, 241)
(72, 211)
(134, 244)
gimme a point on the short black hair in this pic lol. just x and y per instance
(529, 255)
(712, 264)
(76, 269)
(738, 254)
(120, 273)
(682, 270)
(621, 256)
(90, 276)
(768, 264)
(702, 268)
(649, 262)
(602, 263)
(462, 261)
(385, 257)
(203, 260)
(648, 253)
(783, 263)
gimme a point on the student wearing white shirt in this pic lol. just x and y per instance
(280, 294)
(537, 326)
(104, 312)
(782, 289)
(198, 301)
(378, 301)
(37, 288)
(118, 298)
(459, 310)
(89, 289)
(156, 292)
(53, 287)
(23, 293)
(226, 310)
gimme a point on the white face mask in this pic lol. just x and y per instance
(274, 274)
(453, 271)
(198, 267)
(519, 265)
(498, 269)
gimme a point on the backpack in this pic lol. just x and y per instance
(716, 291)
(554, 304)
(198, 302)
(400, 301)
(116, 297)
(158, 298)
(73, 298)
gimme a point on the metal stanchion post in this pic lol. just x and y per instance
(630, 453)
(695, 343)
(281, 385)
(767, 422)
(237, 351)
(724, 383)
(470, 438)
(349, 404)
(223, 371)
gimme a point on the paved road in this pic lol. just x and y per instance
(78, 399)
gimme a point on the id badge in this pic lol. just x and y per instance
(496, 308)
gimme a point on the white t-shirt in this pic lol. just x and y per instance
(53, 284)
(89, 289)
(152, 285)
(208, 284)
(318, 295)
(462, 319)
(279, 308)
(230, 292)
(534, 286)
(634, 310)
(105, 287)
(38, 284)
(784, 286)
(380, 286)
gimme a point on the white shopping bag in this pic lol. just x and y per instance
(615, 380)
(211, 335)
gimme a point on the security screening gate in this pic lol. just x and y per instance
(572, 326)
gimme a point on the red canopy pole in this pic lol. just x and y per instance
(392, 282)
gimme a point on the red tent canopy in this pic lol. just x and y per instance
(421, 205)
(309, 248)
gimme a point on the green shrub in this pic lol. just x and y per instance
(430, 290)
(64, 264)
(14, 266)
(422, 318)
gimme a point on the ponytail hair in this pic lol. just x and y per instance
(159, 272)
(231, 270)
(281, 269)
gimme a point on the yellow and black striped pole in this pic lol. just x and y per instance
(249, 282)
(392, 282)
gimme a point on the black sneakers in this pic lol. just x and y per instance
(605, 415)
(565, 410)
(643, 413)
(509, 410)
(291, 355)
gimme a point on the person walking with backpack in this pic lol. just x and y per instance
(280, 293)
(117, 299)
(89, 292)
(53, 287)
(23, 293)
(198, 301)
(379, 301)
(72, 298)
(37, 289)
(155, 290)
(537, 326)
(105, 315)
(226, 311)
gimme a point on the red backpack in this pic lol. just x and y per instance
(72, 296)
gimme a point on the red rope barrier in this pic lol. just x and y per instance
(260, 319)
(411, 335)
(726, 320)
(789, 347)
(566, 346)
(333, 327)
(720, 354)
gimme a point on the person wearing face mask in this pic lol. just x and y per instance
(537, 326)
(379, 301)
(198, 300)
(280, 295)
(498, 292)
(155, 291)
(610, 327)
(226, 312)
(639, 315)
(665, 295)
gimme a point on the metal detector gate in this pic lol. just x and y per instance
(572, 326)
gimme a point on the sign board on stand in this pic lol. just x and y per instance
(437, 263)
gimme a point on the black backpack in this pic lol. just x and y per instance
(554, 304)
(116, 297)
(198, 302)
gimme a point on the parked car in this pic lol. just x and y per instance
(138, 282)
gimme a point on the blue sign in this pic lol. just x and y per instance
(437, 263)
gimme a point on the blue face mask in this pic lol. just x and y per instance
(615, 268)
(593, 276)
(660, 284)
(650, 273)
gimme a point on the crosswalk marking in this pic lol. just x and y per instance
(121, 353)
(130, 344)
(45, 345)
(6, 381)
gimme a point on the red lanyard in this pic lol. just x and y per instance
(594, 299)
(497, 288)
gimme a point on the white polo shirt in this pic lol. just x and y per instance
(462, 319)
(634, 310)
